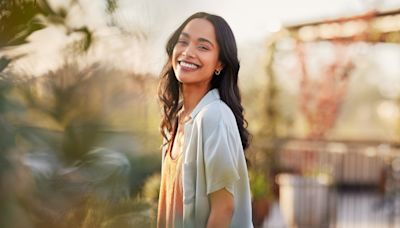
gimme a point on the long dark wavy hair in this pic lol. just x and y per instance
(226, 82)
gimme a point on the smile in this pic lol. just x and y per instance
(188, 66)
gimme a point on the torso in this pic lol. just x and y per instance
(170, 211)
(177, 145)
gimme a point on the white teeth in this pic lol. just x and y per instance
(188, 65)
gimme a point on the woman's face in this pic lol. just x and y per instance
(196, 54)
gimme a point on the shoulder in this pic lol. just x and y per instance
(216, 113)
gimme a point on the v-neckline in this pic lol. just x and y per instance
(173, 143)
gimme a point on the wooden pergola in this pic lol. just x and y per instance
(373, 26)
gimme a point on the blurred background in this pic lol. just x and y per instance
(79, 118)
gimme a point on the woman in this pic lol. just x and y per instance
(204, 174)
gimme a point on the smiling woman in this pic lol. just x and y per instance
(204, 181)
(195, 56)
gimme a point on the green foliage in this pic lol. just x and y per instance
(143, 167)
(151, 188)
(21, 18)
(259, 185)
(7, 107)
(17, 21)
(112, 5)
(79, 166)
(52, 125)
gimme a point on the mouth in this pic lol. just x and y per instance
(188, 66)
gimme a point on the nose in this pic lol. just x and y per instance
(188, 51)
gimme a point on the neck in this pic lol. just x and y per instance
(191, 97)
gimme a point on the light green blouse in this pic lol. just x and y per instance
(213, 159)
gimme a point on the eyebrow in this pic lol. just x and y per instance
(200, 39)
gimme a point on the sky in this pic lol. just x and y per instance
(252, 21)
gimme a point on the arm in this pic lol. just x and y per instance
(222, 207)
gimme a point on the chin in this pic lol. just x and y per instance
(185, 77)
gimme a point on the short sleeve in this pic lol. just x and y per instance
(220, 158)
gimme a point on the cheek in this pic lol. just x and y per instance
(212, 62)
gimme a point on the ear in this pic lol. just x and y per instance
(220, 66)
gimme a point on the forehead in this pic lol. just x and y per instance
(200, 28)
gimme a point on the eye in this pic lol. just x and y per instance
(203, 48)
(182, 42)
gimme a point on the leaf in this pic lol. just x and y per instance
(4, 63)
